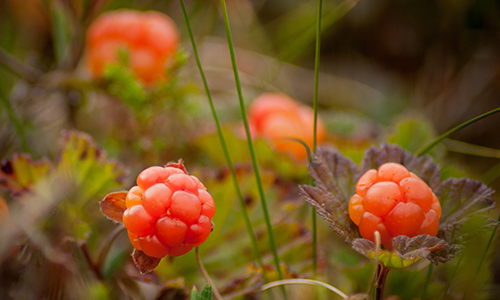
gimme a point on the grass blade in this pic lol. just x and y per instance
(453, 130)
(224, 147)
(315, 107)
(250, 144)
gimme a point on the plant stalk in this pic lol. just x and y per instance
(455, 129)
(250, 144)
(222, 140)
(207, 277)
(315, 107)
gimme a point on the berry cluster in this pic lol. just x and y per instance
(151, 39)
(394, 201)
(168, 213)
(278, 118)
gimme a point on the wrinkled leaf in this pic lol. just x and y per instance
(406, 251)
(335, 177)
(422, 166)
(82, 159)
(113, 205)
(143, 262)
(331, 210)
(19, 173)
(460, 200)
(206, 293)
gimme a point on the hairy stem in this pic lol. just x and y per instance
(207, 277)
(380, 285)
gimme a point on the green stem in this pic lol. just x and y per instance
(15, 123)
(315, 107)
(452, 276)
(303, 281)
(250, 144)
(427, 280)
(225, 148)
(207, 277)
(457, 128)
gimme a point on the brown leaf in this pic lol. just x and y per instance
(113, 205)
(144, 263)
(460, 200)
(335, 177)
(422, 166)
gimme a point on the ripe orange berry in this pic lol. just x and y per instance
(151, 39)
(278, 118)
(169, 212)
(394, 202)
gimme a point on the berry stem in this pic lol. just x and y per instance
(107, 245)
(315, 107)
(250, 144)
(225, 149)
(452, 276)
(382, 275)
(207, 277)
(427, 280)
(455, 129)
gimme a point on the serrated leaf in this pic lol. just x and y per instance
(143, 262)
(113, 205)
(422, 166)
(460, 200)
(21, 172)
(406, 251)
(335, 177)
(82, 159)
(206, 293)
(331, 210)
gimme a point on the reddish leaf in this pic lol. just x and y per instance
(113, 205)
(19, 173)
(144, 263)
(179, 165)
(422, 166)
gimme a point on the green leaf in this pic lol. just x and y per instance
(411, 133)
(21, 172)
(422, 166)
(84, 161)
(206, 293)
(406, 252)
(335, 177)
(195, 295)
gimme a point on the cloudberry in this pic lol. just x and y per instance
(168, 213)
(151, 39)
(394, 202)
(278, 118)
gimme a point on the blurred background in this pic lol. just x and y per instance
(390, 71)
